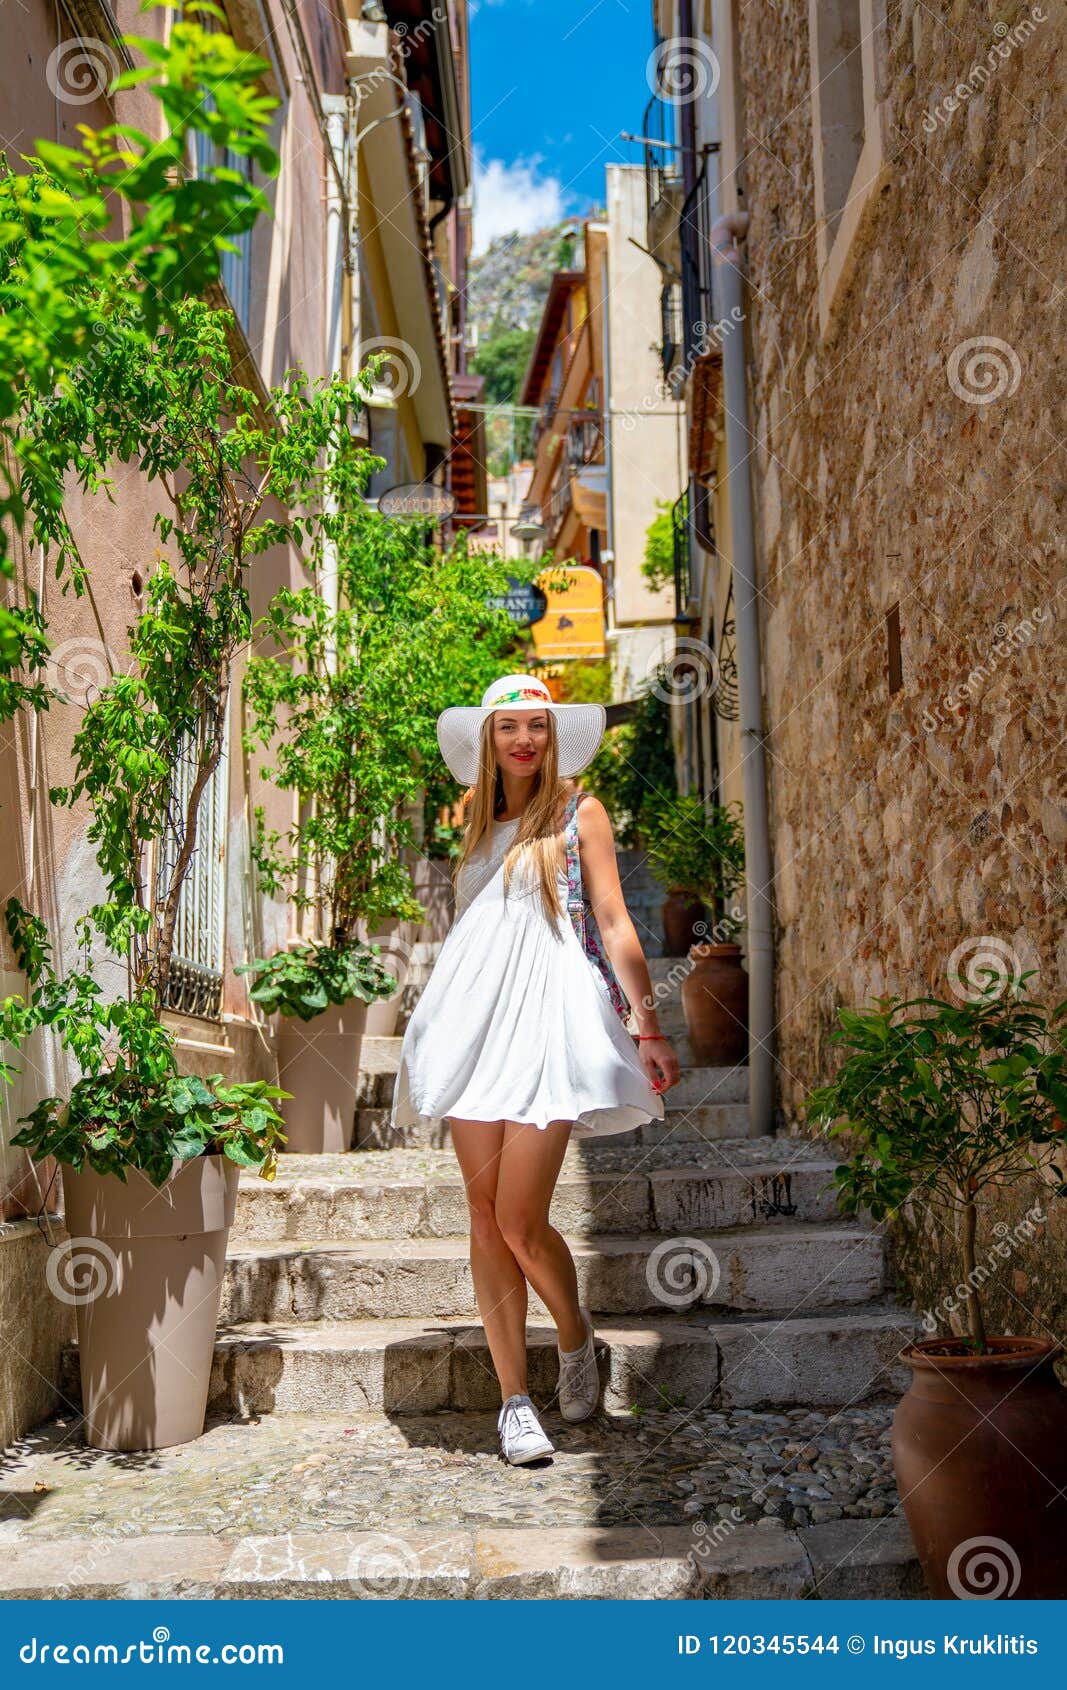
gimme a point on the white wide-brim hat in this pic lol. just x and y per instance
(579, 727)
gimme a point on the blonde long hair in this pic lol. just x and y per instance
(539, 840)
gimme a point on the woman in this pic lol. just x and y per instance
(516, 1039)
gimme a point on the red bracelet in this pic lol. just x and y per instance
(640, 1036)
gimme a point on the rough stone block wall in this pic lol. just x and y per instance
(913, 456)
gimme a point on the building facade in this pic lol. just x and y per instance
(608, 441)
(365, 255)
(906, 230)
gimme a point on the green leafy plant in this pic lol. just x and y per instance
(943, 1102)
(65, 276)
(697, 849)
(235, 482)
(634, 766)
(657, 565)
(345, 703)
(305, 979)
(131, 1108)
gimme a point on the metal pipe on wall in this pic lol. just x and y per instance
(725, 232)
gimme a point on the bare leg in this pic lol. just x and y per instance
(530, 1160)
(499, 1283)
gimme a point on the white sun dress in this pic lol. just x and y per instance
(515, 1023)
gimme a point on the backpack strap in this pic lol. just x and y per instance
(575, 896)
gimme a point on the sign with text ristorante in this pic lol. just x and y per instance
(418, 499)
(524, 602)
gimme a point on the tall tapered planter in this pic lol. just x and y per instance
(318, 1061)
(145, 1273)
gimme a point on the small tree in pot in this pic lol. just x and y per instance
(150, 1155)
(942, 1104)
(344, 700)
(699, 853)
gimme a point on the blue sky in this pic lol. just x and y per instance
(552, 84)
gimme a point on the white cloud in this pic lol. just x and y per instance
(513, 199)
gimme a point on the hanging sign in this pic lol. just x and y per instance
(419, 499)
(573, 623)
(524, 602)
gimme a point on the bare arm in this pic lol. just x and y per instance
(600, 879)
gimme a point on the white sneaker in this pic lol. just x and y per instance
(579, 1381)
(521, 1435)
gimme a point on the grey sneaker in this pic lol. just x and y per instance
(522, 1437)
(579, 1381)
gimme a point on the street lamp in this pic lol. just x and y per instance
(528, 525)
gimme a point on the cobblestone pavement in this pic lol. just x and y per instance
(303, 1472)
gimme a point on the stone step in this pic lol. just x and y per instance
(757, 1269)
(420, 1367)
(421, 1195)
(845, 1559)
(662, 1503)
(426, 1366)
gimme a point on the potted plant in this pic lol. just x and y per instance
(150, 1158)
(943, 1104)
(321, 992)
(343, 697)
(699, 853)
(149, 1155)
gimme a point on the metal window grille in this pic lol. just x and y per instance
(194, 984)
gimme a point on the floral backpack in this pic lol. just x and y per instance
(580, 911)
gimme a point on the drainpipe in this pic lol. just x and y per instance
(336, 115)
(727, 291)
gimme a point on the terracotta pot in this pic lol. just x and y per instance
(715, 1003)
(145, 1273)
(980, 1452)
(318, 1061)
(685, 921)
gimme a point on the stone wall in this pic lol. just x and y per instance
(900, 465)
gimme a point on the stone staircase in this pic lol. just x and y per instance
(747, 1350)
